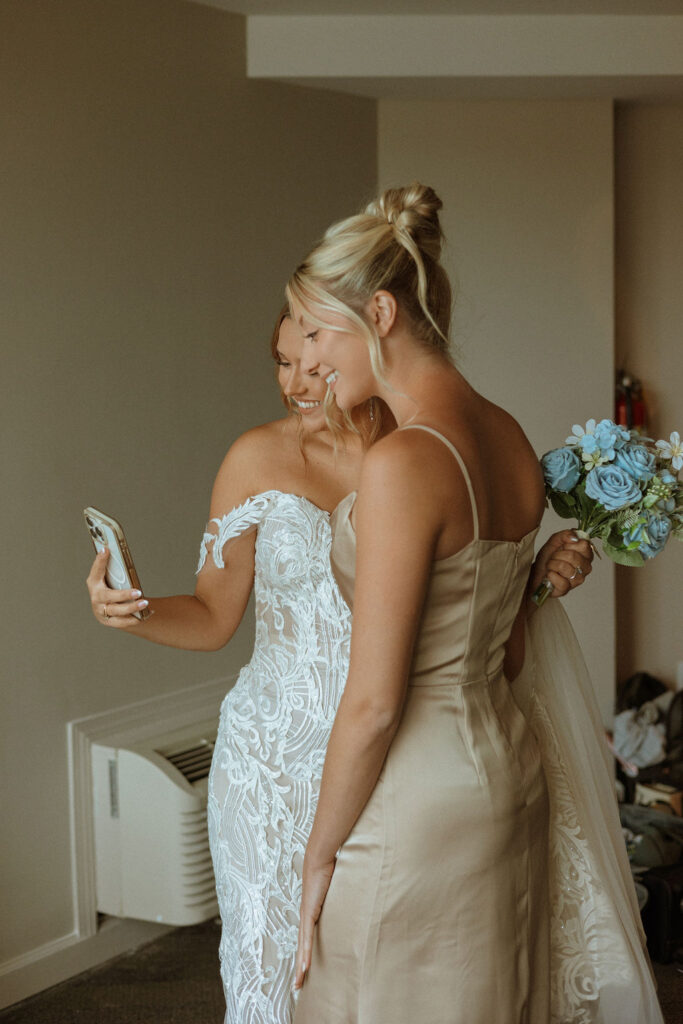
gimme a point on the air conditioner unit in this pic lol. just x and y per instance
(151, 843)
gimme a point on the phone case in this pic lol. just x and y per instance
(107, 532)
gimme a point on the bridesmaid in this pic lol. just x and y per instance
(427, 868)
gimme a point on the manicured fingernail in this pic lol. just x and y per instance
(142, 604)
(136, 593)
(573, 537)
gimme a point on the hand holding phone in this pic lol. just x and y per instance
(107, 532)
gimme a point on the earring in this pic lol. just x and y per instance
(372, 410)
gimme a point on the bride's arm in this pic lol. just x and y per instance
(207, 619)
(396, 536)
(203, 621)
(556, 561)
(565, 560)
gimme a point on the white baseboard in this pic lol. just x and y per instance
(56, 961)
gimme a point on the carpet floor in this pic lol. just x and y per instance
(175, 980)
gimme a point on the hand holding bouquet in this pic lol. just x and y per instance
(622, 488)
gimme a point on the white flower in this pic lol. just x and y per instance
(593, 459)
(578, 432)
(672, 449)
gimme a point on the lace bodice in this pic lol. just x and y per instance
(273, 733)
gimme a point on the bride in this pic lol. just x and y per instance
(269, 531)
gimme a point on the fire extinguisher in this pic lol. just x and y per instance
(630, 408)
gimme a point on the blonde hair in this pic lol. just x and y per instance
(393, 245)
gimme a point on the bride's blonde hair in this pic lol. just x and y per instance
(393, 245)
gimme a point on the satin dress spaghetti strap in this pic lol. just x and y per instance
(438, 908)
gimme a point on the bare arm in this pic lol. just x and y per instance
(396, 537)
(557, 561)
(207, 619)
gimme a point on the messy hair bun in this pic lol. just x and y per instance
(393, 245)
(415, 211)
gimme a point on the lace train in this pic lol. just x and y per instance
(599, 965)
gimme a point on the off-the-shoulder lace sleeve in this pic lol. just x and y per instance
(235, 523)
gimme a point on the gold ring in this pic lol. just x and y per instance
(105, 612)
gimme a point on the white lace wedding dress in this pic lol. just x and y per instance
(273, 733)
(267, 765)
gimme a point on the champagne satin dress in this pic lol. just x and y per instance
(438, 908)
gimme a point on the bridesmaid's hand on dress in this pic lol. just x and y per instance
(316, 882)
(564, 560)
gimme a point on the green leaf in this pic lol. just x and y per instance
(621, 557)
(586, 504)
(564, 505)
(614, 538)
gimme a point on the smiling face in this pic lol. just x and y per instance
(340, 356)
(304, 390)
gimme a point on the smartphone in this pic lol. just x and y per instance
(107, 532)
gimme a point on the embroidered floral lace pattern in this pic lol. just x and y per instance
(586, 942)
(273, 733)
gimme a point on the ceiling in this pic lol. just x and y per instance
(439, 49)
(426, 7)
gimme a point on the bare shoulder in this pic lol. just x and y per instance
(512, 449)
(510, 431)
(514, 439)
(396, 462)
(250, 462)
(394, 485)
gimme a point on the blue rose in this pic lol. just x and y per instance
(634, 535)
(561, 468)
(637, 461)
(612, 486)
(656, 534)
(609, 438)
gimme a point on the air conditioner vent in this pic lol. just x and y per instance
(193, 762)
(151, 843)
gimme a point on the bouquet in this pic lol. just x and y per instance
(622, 488)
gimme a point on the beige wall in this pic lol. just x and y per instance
(649, 208)
(154, 202)
(527, 188)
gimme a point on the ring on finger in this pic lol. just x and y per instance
(578, 571)
(105, 613)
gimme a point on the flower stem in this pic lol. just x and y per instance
(542, 593)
